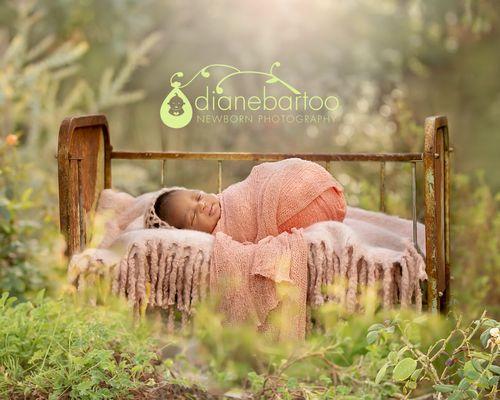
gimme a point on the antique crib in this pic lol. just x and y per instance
(85, 157)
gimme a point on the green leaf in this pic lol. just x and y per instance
(444, 388)
(292, 383)
(412, 385)
(343, 390)
(390, 329)
(477, 354)
(483, 382)
(477, 364)
(464, 384)
(416, 374)
(471, 393)
(372, 337)
(39, 297)
(491, 323)
(484, 337)
(470, 372)
(381, 373)
(493, 381)
(495, 369)
(402, 351)
(375, 327)
(325, 380)
(473, 375)
(404, 369)
(456, 396)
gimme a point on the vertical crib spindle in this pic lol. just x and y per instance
(382, 186)
(328, 166)
(414, 201)
(81, 220)
(219, 176)
(163, 172)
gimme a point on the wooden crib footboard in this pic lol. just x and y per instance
(437, 211)
(84, 169)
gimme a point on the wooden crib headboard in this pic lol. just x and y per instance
(84, 167)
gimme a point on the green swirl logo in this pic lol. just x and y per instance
(177, 111)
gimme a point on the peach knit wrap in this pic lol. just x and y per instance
(328, 206)
(259, 243)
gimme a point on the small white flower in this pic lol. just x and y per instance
(495, 332)
(492, 342)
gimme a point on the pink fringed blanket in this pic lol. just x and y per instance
(251, 256)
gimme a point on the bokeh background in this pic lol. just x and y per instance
(390, 62)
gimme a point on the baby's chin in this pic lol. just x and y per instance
(217, 219)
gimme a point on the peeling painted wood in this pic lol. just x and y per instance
(436, 199)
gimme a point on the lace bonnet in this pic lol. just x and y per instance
(151, 219)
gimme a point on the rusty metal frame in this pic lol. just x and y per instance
(436, 166)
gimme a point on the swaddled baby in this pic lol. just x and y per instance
(252, 254)
(194, 209)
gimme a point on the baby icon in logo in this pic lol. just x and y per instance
(176, 110)
(176, 104)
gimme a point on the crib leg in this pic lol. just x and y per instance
(436, 198)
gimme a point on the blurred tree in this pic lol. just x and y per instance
(40, 84)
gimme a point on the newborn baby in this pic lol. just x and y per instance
(193, 209)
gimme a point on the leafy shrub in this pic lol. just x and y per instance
(18, 229)
(40, 85)
(58, 349)
(475, 240)
(394, 354)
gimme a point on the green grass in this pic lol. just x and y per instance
(63, 349)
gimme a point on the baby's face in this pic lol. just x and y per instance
(194, 209)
